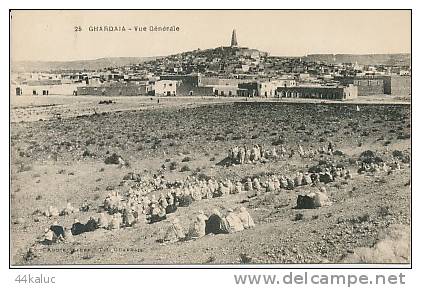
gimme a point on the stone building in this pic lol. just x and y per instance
(366, 85)
(229, 91)
(318, 92)
(115, 89)
(266, 88)
(251, 88)
(398, 85)
(379, 84)
(188, 85)
(211, 81)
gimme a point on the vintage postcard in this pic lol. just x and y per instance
(205, 137)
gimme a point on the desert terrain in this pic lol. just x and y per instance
(59, 144)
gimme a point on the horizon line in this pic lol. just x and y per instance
(198, 49)
(160, 56)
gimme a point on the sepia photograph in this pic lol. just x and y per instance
(210, 137)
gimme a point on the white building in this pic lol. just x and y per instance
(286, 82)
(165, 88)
(268, 88)
(37, 90)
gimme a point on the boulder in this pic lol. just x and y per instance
(313, 200)
(114, 159)
(305, 202)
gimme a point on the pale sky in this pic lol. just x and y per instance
(50, 35)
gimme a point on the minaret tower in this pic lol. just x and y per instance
(234, 42)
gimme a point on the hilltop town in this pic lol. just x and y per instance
(227, 71)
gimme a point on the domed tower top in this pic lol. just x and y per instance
(234, 42)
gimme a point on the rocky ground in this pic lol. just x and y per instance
(61, 159)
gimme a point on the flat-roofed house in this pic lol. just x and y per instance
(165, 88)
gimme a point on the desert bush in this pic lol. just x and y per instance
(338, 153)
(185, 168)
(397, 153)
(384, 211)
(202, 176)
(173, 165)
(170, 136)
(337, 185)
(186, 159)
(90, 142)
(113, 159)
(401, 155)
(369, 156)
(260, 175)
(315, 169)
(277, 142)
(360, 218)
(301, 127)
(381, 180)
(24, 168)
(245, 259)
(87, 153)
(298, 217)
(277, 201)
(403, 136)
(210, 260)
